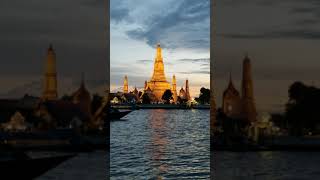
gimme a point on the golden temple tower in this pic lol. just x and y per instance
(50, 82)
(125, 85)
(174, 89)
(249, 108)
(158, 83)
(187, 90)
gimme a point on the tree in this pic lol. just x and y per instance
(146, 99)
(302, 108)
(204, 97)
(167, 96)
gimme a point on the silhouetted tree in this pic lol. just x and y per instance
(167, 96)
(204, 97)
(146, 99)
(302, 110)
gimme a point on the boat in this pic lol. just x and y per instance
(20, 165)
(115, 114)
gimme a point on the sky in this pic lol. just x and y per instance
(180, 26)
(282, 39)
(75, 28)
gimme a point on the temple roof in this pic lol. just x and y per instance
(135, 90)
(231, 89)
(82, 92)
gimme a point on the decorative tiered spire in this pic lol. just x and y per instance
(158, 71)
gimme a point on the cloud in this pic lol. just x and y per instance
(144, 61)
(195, 72)
(118, 14)
(76, 29)
(187, 26)
(198, 60)
(289, 34)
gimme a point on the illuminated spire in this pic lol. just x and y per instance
(159, 53)
(174, 89)
(158, 71)
(125, 85)
(50, 85)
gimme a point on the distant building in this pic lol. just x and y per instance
(50, 81)
(231, 101)
(82, 97)
(188, 97)
(158, 83)
(125, 85)
(174, 89)
(182, 93)
(249, 108)
(240, 107)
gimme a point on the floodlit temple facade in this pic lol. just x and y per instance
(158, 83)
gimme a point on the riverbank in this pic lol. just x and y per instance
(160, 106)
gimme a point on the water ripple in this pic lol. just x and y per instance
(161, 144)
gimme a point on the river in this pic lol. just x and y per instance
(161, 144)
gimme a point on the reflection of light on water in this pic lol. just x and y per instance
(158, 141)
(266, 154)
(161, 144)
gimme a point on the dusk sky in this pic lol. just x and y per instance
(76, 30)
(180, 26)
(282, 40)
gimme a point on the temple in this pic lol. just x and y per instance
(231, 102)
(242, 107)
(82, 97)
(158, 83)
(50, 81)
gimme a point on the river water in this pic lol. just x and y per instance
(174, 144)
(161, 144)
(277, 165)
(85, 166)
